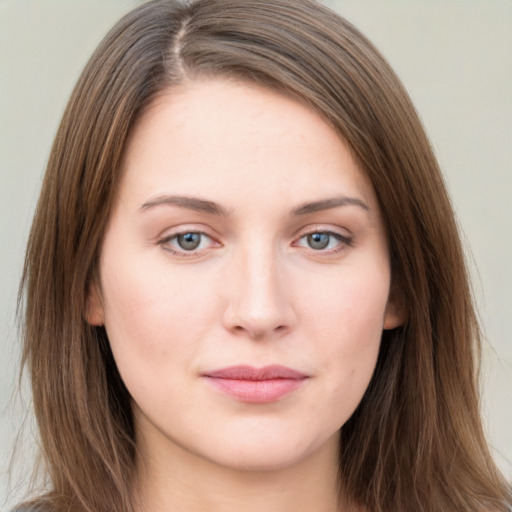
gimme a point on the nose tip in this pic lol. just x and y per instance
(259, 305)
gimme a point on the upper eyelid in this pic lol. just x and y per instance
(182, 229)
(334, 234)
(323, 228)
(174, 231)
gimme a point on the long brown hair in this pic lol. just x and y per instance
(415, 442)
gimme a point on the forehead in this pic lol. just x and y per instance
(237, 139)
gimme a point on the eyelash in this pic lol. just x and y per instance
(343, 242)
(166, 241)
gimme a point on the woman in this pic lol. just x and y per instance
(244, 283)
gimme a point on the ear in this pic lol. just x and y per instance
(395, 314)
(94, 312)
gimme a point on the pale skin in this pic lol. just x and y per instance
(285, 263)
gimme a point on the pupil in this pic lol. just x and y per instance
(318, 240)
(189, 241)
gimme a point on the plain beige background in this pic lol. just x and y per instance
(455, 58)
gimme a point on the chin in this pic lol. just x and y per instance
(268, 453)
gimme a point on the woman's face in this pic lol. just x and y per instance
(244, 278)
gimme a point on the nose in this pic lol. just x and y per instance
(259, 301)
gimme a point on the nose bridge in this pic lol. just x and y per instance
(260, 272)
(259, 303)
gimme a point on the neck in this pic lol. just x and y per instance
(184, 481)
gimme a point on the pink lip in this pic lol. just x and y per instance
(256, 385)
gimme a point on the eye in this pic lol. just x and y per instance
(318, 241)
(324, 241)
(187, 243)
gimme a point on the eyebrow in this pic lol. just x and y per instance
(327, 204)
(203, 205)
(188, 202)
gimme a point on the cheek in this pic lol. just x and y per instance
(349, 308)
(347, 323)
(154, 318)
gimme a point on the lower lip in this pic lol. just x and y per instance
(256, 391)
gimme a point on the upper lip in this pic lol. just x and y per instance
(245, 372)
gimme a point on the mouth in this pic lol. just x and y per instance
(256, 385)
